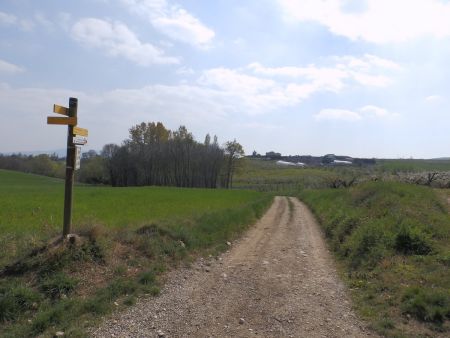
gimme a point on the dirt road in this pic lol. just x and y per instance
(277, 281)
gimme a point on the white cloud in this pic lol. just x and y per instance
(6, 67)
(7, 19)
(258, 89)
(368, 70)
(173, 21)
(64, 20)
(433, 98)
(11, 20)
(326, 78)
(380, 21)
(234, 81)
(118, 40)
(371, 80)
(239, 41)
(213, 97)
(185, 71)
(377, 112)
(251, 94)
(337, 114)
(42, 20)
(368, 111)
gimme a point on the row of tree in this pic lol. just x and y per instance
(155, 155)
(152, 155)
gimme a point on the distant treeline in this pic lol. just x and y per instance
(48, 165)
(152, 155)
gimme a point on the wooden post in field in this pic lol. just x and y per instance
(70, 169)
(75, 136)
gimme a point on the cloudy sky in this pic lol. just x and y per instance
(356, 77)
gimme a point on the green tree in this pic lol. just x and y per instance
(233, 152)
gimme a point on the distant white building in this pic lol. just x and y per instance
(292, 164)
(338, 162)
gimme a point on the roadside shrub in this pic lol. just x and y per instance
(57, 285)
(427, 305)
(367, 246)
(147, 278)
(14, 300)
(345, 228)
(411, 240)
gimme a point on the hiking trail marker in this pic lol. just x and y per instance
(76, 136)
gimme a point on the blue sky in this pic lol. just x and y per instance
(360, 78)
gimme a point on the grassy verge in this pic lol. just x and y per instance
(393, 245)
(66, 286)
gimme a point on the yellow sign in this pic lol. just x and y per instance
(80, 131)
(60, 110)
(71, 121)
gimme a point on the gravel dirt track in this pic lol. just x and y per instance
(278, 280)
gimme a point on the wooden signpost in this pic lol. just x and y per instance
(75, 136)
(71, 121)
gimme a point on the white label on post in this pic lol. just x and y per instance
(77, 158)
(80, 140)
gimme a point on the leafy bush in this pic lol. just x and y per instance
(411, 240)
(367, 246)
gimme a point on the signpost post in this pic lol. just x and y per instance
(70, 169)
(75, 136)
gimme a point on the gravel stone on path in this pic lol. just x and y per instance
(278, 280)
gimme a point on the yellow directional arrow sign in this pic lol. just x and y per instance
(80, 131)
(60, 110)
(71, 121)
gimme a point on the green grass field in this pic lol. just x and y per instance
(31, 203)
(393, 243)
(413, 166)
(266, 175)
(32, 206)
(129, 236)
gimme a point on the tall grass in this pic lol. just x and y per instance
(393, 241)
